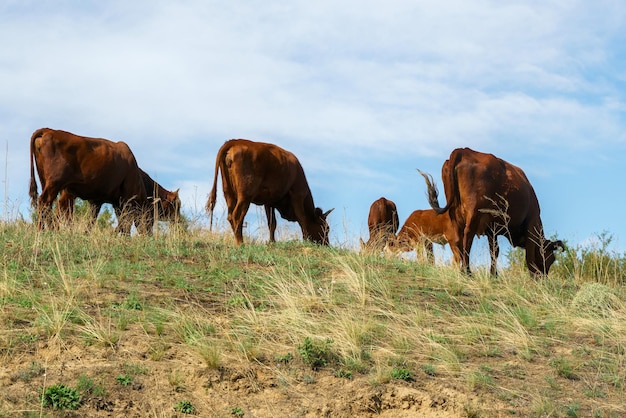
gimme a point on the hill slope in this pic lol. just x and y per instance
(189, 323)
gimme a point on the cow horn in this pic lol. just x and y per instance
(327, 212)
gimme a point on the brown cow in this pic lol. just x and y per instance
(421, 229)
(265, 174)
(94, 169)
(382, 223)
(167, 203)
(487, 195)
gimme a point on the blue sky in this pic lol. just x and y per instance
(363, 92)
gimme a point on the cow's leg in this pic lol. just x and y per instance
(124, 219)
(456, 246)
(118, 215)
(231, 202)
(65, 207)
(297, 203)
(494, 250)
(94, 210)
(419, 251)
(466, 242)
(236, 219)
(430, 254)
(44, 207)
(144, 218)
(271, 221)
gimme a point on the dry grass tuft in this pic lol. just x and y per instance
(596, 300)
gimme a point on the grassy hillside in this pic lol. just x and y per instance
(94, 324)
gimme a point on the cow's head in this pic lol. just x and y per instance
(379, 242)
(540, 261)
(168, 206)
(398, 244)
(318, 230)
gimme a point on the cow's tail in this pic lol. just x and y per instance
(432, 192)
(210, 205)
(33, 193)
(448, 177)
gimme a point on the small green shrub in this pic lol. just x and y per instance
(124, 379)
(61, 397)
(316, 353)
(185, 407)
(399, 373)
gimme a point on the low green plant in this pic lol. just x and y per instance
(61, 397)
(185, 407)
(284, 359)
(124, 379)
(238, 412)
(86, 385)
(400, 373)
(343, 373)
(316, 354)
(572, 410)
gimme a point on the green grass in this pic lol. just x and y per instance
(132, 305)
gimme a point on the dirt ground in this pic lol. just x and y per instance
(237, 388)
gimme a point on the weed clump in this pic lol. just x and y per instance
(316, 354)
(61, 397)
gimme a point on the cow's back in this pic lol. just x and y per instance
(425, 224)
(383, 214)
(90, 168)
(488, 188)
(261, 172)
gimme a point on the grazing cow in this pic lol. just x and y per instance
(382, 223)
(94, 169)
(487, 195)
(167, 203)
(421, 229)
(265, 174)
